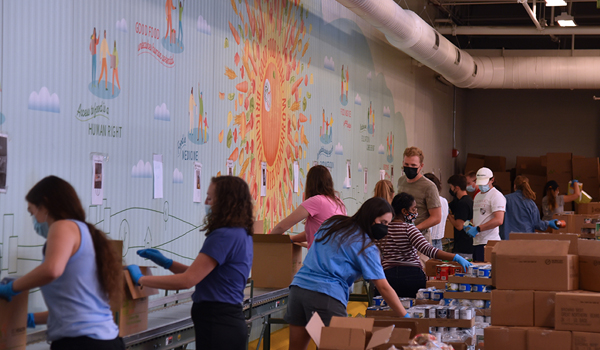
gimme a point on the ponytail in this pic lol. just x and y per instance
(109, 264)
(551, 200)
(522, 184)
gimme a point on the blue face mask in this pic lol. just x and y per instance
(41, 228)
(484, 188)
(208, 209)
(470, 188)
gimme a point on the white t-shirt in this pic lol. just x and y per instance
(484, 206)
(437, 231)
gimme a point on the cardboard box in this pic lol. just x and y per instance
(589, 265)
(470, 280)
(468, 295)
(504, 338)
(132, 315)
(399, 338)
(474, 162)
(571, 237)
(585, 170)
(502, 179)
(385, 318)
(535, 265)
(577, 312)
(347, 333)
(495, 164)
(577, 223)
(588, 208)
(512, 308)
(488, 249)
(548, 339)
(560, 168)
(13, 321)
(436, 284)
(530, 166)
(544, 308)
(276, 261)
(585, 341)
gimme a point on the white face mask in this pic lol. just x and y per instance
(208, 209)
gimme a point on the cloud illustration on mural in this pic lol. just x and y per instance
(369, 76)
(329, 64)
(202, 26)
(141, 170)
(386, 111)
(122, 25)
(339, 149)
(359, 167)
(162, 113)
(177, 176)
(357, 100)
(381, 149)
(43, 101)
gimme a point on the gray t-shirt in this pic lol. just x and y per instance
(426, 195)
(559, 209)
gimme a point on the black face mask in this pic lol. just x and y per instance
(379, 231)
(411, 173)
(453, 194)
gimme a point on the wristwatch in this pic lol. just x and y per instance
(478, 229)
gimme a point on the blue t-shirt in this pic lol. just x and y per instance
(232, 248)
(331, 269)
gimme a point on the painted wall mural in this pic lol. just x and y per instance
(236, 86)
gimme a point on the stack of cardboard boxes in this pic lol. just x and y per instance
(545, 295)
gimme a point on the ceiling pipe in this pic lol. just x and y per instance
(531, 13)
(490, 30)
(408, 32)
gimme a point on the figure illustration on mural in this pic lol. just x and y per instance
(173, 40)
(390, 148)
(371, 119)
(198, 135)
(95, 86)
(326, 129)
(345, 80)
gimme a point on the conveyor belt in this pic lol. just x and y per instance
(171, 327)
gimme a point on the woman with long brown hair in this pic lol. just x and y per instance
(385, 190)
(522, 214)
(320, 203)
(80, 276)
(220, 270)
(554, 203)
(344, 250)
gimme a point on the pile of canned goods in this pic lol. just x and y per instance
(477, 304)
(465, 287)
(481, 271)
(430, 294)
(442, 311)
(380, 304)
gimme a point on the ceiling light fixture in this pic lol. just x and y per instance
(565, 20)
(550, 3)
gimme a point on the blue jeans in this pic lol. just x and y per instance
(437, 243)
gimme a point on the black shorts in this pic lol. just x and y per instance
(87, 343)
(219, 326)
(302, 303)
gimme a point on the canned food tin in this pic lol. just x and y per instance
(466, 313)
(488, 319)
(478, 288)
(488, 304)
(479, 319)
(480, 304)
(378, 301)
(442, 312)
(437, 295)
(418, 313)
(474, 271)
(452, 286)
(464, 287)
(484, 272)
(427, 295)
(407, 302)
(453, 313)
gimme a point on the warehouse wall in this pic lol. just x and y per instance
(515, 123)
(246, 61)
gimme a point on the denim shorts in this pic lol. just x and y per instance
(302, 303)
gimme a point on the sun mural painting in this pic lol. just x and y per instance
(270, 109)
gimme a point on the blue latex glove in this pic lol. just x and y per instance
(574, 181)
(462, 261)
(471, 230)
(135, 273)
(30, 321)
(6, 291)
(407, 315)
(553, 225)
(156, 257)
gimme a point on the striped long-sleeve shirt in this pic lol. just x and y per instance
(400, 246)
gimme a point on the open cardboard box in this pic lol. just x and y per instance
(535, 265)
(589, 265)
(571, 237)
(347, 333)
(276, 261)
(132, 315)
(13, 321)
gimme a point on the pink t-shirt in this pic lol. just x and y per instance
(319, 208)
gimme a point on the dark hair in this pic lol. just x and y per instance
(459, 181)
(232, 205)
(62, 203)
(402, 200)
(472, 173)
(358, 226)
(319, 182)
(550, 185)
(435, 180)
